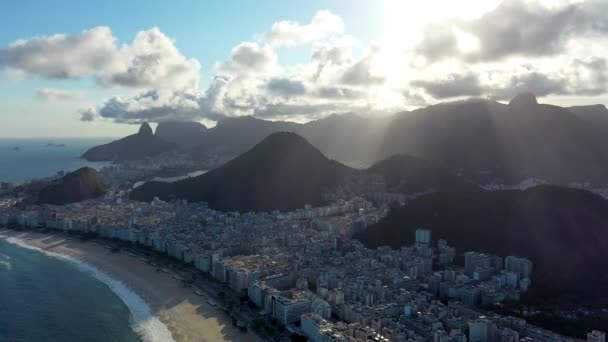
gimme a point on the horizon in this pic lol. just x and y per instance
(95, 74)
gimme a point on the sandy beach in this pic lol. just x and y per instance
(187, 316)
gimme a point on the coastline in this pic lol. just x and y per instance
(161, 309)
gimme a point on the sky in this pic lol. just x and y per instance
(78, 69)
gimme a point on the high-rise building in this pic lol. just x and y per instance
(423, 237)
(478, 331)
(521, 266)
(289, 310)
(474, 260)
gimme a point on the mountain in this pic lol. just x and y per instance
(133, 147)
(282, 172)
(563, 231)
(406, 174)
(350, 138)
(181, 133)
(345, 137)
(485, 141)
(77, 186)
(233, 136)
(594, 114)
(491, 141)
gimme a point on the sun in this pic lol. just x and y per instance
(404, 21)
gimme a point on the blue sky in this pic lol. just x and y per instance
(284, 60)
(201, 29)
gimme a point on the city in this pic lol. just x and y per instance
(304, 271)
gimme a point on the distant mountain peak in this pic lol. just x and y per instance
(524, 100)
(137, 146)
(145, 129)
(181, 133)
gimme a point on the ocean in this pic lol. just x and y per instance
(50, 298)
(44, 298)
(22, 160)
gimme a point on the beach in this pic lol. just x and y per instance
(162, 309)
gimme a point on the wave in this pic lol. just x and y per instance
(146, 325)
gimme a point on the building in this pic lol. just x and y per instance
(596, 336)
(290, 310)
(476, 260)
(321, 308)
(423, 237)
(521, 266)
(478, 331)
(313, 327)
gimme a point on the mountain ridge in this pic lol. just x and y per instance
(140, 145)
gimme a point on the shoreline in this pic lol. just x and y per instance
(161, 309)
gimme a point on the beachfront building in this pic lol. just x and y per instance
(290, 310)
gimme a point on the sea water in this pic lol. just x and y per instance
(22, 160)
(43, 298)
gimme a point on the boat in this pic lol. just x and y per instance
(198, 293)
(211, 302)
(165, 270)
(132, 254)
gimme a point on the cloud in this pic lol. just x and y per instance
(249, 58)
(453, 86)
(291, 111)
(492, 55)
(362, 72)
(517, 27)
(534, 82)
(150, 61)
(89, 115)
(53, 94)
(588, 76)
(154, 105)
(63, 56)
(439, 41)
(162, 105)
(286, 87)
(291, 33)
(330, 92)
